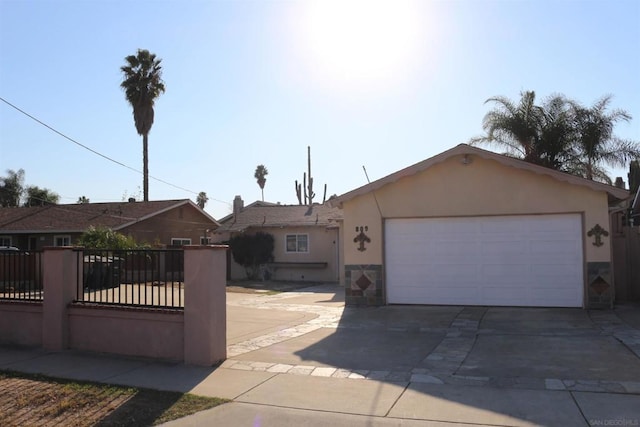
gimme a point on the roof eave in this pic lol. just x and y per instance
(614, 193)
(161, 211)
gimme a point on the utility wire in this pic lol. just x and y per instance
(100, 154)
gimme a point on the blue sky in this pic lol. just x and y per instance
(377, 84)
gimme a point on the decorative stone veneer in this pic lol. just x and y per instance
(363, 285)
(599, 285)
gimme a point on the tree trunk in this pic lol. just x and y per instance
(589, 169)
(145, 168)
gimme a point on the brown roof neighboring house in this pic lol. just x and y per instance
(78, 217)
(159, 221)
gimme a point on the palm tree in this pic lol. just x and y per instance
(260, 174)
(202, 199)
(595, 144)
(142, 84)
(556, 133)
(514, 127)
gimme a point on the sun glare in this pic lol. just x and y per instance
(362, 43)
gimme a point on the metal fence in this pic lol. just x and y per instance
(21, 275)
(141, 278)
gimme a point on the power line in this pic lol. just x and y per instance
(100, 154)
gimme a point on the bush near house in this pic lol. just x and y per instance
(106, 238)
(252, 250)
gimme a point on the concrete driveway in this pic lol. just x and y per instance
(524, 365)
(494, 344)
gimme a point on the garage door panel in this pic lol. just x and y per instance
(504, 273)
(501, 248)
(449, 247)
(564, 246)
(534, 260)
(465, 297)
(495, 226)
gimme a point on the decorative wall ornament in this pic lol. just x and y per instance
(600, 285)
(598, 232)
(362, 238)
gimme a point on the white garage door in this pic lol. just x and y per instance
(531, 260)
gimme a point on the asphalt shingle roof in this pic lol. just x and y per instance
(281, 216)
(79, 217)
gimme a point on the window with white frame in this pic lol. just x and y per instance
(179, 241)
(5, 240)
(297, 243)
(205, 241)
(62, 240)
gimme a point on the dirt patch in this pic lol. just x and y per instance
(42, 401)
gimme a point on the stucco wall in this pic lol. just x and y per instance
(323, 247)
(196, 335)
(21, 323)
(129, 332)
(483, 187)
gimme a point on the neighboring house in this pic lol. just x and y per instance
(472, 227)
(306, 239)
(161, 223)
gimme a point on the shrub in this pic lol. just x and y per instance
(251, 250)
(105, 238)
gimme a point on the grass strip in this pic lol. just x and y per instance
(30, 399)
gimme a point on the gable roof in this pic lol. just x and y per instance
(614, 193)
(257, 203)
(78, 217)
(270, 215)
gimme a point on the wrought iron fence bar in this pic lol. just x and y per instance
(21, 275)
(138, 278)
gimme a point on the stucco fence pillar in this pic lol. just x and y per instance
(205, 304)
(202, 338)
(60, 277)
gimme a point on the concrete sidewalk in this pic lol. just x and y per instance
(301, 359)
(270, 398)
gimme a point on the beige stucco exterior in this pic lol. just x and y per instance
(467, 182)
(323, 248)
(483, 187)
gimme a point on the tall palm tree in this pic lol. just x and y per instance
(560, 134)
(202, 199)
(260, 174)
(142, 84)
(595, 144)
(556, 133)
(514, 127)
